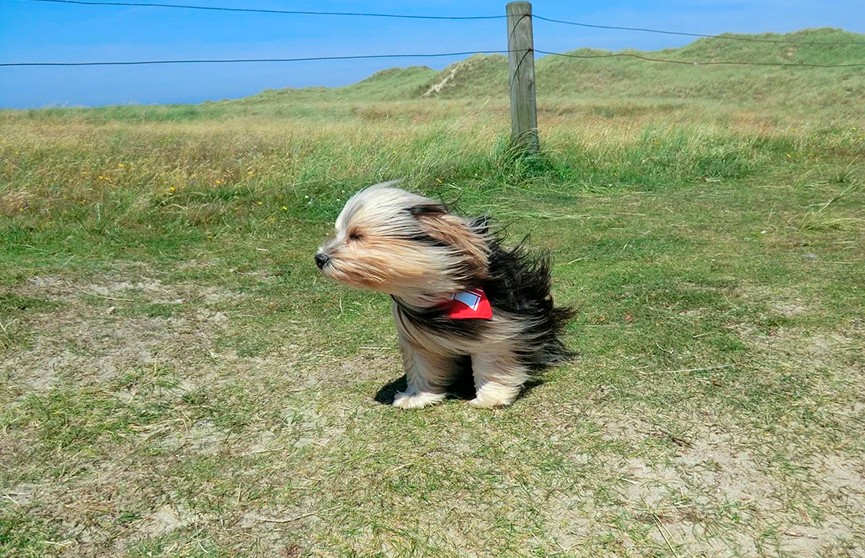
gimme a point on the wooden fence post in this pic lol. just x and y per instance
(521, 77)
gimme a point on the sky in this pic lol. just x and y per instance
(40, 31)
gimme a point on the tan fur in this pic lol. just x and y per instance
(371, 250)
(454, 231)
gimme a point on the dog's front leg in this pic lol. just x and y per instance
(426, 373)
(499, 378)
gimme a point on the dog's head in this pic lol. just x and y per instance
(404, 244)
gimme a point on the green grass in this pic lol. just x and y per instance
(178, 380)
(585, 76)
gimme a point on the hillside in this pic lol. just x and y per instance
(703, 75)
(478, 76)
(386, 85)
(590, 74)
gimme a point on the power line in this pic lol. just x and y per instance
(266, 11)
(699, 63)
(432, 55)
(432, 17)
(725, 37)
(254, 60)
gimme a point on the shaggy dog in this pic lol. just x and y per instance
(458, 295)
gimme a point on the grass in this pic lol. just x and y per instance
(178, 380)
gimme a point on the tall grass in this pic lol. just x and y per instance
(132, 167)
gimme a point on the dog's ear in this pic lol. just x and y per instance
(431, 208)
(455, 232)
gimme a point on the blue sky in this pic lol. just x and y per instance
(33, 31)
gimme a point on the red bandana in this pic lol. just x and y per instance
(469, 305)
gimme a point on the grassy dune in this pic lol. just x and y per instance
(177, 379)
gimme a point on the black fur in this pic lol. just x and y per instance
(519, 284)
(427, 239)
(428, 209)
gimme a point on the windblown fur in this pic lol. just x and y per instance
(419, 252)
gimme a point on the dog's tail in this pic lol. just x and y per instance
(554, 351)
(520, 283)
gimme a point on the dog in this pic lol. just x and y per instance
(458, 295)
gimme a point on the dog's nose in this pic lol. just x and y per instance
(321, 260)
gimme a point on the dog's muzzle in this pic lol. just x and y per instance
(321, 260)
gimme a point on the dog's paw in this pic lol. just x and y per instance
(492, 395)
(488, 403)
(405, 400)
